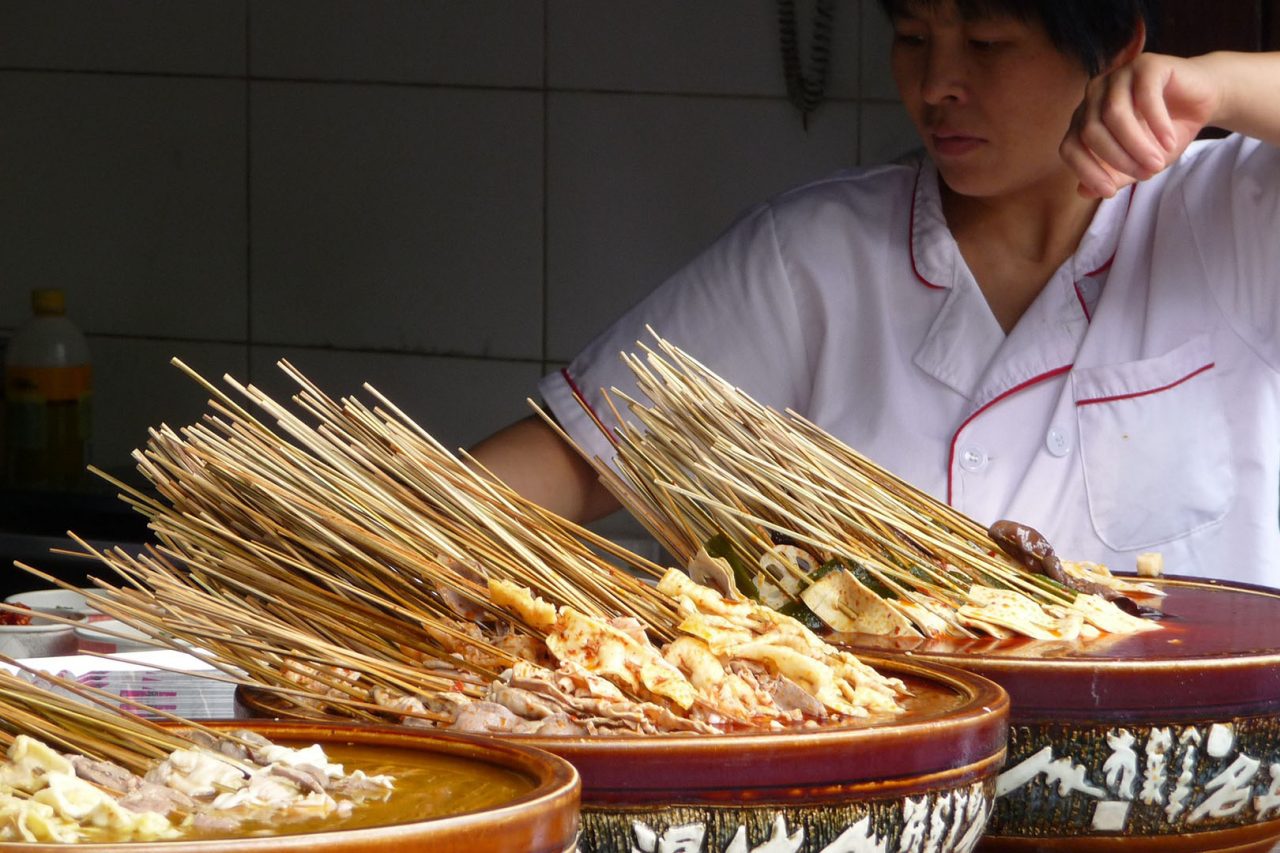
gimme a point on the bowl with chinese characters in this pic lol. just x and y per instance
(1162, 741)
(886, 783)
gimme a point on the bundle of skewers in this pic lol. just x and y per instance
(76, 768)
(336, 554)
(815, 529)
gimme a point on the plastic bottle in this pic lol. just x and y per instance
(48, 384)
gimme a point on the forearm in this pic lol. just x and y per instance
(530, 458)
(1249, 87)
(1138, 118)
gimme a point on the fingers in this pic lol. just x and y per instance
(1150, 103)
(1116, 134)
(1118, 131)
(1122, 132)
(1096, 179)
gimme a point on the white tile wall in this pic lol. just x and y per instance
(877, 38)
(887, 132)
(130, 193)
(445, 197)
(714, 46)
(458, 400)
(136, 388)
(638, 184)
(454, 42)
(397, 218)
(185, 37)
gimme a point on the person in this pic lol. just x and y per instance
(1066, 312)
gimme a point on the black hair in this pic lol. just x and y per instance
(1092, 31)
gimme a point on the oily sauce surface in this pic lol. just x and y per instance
(427, 785)
(1202, 619)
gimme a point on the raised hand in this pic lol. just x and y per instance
(1138, 119)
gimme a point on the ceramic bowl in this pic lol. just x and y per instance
(41, 639)
(60, 602)
(542, 820)
(111, 636)
(1165, 741)
(922, 780)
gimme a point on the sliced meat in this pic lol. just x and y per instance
(1029, 547)
(559, 725)
(523, 703)
(151, 797)
(358, 786)
(104, 774)
(306, 777)
(790, 696)
(219, 824)
(201, 738)
(485, 717)
(258, 746)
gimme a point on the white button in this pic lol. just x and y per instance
(1057, 442)
(973, 459)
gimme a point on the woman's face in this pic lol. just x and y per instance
(991, 98)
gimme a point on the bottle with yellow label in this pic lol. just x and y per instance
(48, 385)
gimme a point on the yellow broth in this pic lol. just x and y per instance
(427, 785)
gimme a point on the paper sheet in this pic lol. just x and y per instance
(134, 676)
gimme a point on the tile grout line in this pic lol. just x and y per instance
(410, 84)
(546, 185)
(355, 349)
(248, 191)
(546, 92)
(858, 74)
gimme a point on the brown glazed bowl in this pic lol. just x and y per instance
(922, 780)
(542, 820)
(1166, 741)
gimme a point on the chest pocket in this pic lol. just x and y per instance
(1155, 447)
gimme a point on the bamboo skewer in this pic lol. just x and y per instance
(313, 556)
(87, 721)
(700, 458)
(336, 553)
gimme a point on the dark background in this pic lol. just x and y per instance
(1189, 27)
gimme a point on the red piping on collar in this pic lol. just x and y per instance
(911, 233)
(582, 401)
(911, 243)
(951, 459)
(1106, 265)
(1083, 306)
(1093, 400)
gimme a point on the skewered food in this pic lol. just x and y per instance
(21, 615)
(358, 566)
(74, 771)
(808, 525)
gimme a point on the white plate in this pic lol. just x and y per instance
(93, 638)
(63, 602)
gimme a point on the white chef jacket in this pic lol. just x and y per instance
(1135, 406)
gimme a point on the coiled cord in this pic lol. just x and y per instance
(806, 87)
